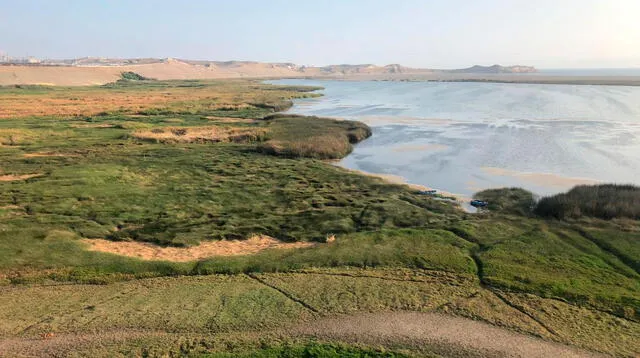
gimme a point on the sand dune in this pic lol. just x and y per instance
(166, 70)
(171, 69)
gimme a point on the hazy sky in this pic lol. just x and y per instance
(419, 33)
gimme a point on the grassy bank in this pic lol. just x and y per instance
(607, 201)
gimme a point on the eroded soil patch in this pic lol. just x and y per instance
(12, 177)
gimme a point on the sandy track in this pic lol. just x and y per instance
(447, 335)
(64, 344)
(442, 334)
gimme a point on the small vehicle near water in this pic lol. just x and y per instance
(479, 203)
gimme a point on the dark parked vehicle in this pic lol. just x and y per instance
(479, 203)
(428, 192)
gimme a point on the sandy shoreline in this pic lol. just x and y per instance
(460, 199)
(496, 78)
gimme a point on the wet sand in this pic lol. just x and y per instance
(547, 180)
(496, 78)
(419, 147)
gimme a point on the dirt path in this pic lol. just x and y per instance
(446, 335)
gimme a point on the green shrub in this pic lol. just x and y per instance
(294, 136)
(132, 76)
(508, 200)
(605, 201)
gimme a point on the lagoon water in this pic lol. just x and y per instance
(465, 137)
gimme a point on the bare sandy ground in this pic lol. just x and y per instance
(11, 177)
(541, 179)
(447, 335)
(175, 69)
(170, 70)
(147, 251)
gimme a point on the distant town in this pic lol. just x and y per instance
(6, 59)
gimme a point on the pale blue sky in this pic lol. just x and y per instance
(419, 33)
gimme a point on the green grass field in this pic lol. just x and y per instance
(68, 177)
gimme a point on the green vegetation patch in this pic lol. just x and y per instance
(420, 249)
(132, 76)
(554, 261)
(69, 177)
(605, 201)
(312, 137)
(514, 201)
(312, 350)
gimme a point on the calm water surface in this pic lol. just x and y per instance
(465, 137)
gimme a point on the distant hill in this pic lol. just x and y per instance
(496, 69)
(98, 70)
(252, 67)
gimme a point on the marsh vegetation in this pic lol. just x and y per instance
(183, 162)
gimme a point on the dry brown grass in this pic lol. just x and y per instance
(148, 251)
(86, 101)
(201, 134)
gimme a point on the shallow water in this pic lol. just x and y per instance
(465, 137)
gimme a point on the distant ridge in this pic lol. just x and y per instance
(496, 69)
(99, 70)
(344, 69)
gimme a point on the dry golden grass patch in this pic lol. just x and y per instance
(91, 102)
(147, 251)
(201, 134)
(83, 101)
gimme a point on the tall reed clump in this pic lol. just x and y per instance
(605, 201)
(312, 137)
